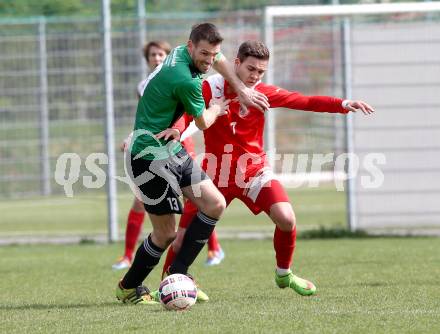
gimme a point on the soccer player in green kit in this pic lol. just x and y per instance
(162, 170)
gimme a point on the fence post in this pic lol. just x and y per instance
(270, 119)
(336, 79)
(45, 188)
(142, 36)
(351, 184)
(112, 209)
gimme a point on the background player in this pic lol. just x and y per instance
(240, 169)
(154, 53)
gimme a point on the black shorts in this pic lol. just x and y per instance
(160, 181)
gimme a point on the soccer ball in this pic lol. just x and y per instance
(177, 292)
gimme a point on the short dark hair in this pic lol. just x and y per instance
(255, 49)
(207, 32)
(158, 44)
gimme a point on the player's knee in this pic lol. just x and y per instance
(285, 220)
(216, 207)
(220, 206)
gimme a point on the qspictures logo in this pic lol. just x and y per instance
(226, 169)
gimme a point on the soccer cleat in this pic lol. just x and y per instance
(155, 295)
(139, 295)
(122, 263)
(214, 257)
(300, 285)
(201, 296)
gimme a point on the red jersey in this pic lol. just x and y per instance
(238, 136)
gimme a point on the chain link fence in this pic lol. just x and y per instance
(52, 98)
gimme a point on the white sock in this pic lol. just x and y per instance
(282, 272)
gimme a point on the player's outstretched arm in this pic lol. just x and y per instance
(247, 96)
(217, 107)
(279, 97)
(354, 106)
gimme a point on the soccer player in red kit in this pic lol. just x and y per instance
(236, 161)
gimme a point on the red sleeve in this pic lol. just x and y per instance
(206, 92)
(182, 123)
(279, 97)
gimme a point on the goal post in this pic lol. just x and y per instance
(351, 10)
(385, 59)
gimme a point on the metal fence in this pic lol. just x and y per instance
(52, 95)
(51, 87)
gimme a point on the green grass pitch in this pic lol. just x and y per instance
(370, 285)
(381, 285)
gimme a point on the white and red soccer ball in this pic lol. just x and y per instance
(177, 292)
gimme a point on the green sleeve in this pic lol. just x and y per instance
(190, 94)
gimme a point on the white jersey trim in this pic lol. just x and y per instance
(257, 183)
(217, 85)
(141, 86)
(189, 131)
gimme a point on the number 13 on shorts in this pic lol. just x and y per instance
(173, 203)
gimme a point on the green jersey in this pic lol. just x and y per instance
(173, 88)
